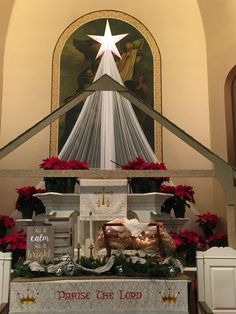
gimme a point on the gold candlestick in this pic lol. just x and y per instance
(78, 256)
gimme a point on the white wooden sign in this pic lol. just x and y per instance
(40, 243)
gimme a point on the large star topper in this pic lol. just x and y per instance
(108, 41)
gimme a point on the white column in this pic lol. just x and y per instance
(5, 276)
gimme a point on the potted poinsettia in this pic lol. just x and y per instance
(61, 184)
(27, 203)
(5, 223)
(141, 184)
(186, 243)
(218, 239)
(182, 196)
(14, 242)
(208, 223)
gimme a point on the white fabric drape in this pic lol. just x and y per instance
(107, 127)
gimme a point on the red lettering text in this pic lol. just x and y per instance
(105, 295)
(68, 295)
(130, 294)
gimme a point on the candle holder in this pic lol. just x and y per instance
(78, 254)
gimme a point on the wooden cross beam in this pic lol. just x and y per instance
(224, 171)
(39, 126)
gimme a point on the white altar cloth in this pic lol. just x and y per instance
(105, 199)
(131, 296)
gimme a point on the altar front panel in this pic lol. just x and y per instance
(99, 296)
(103, 199)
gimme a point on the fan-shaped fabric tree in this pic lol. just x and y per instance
(107, 127)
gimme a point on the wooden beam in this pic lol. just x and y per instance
(105, 80)
(107, 83)
(25, 136)
(4, 307)
(224, 172)
(204, 308)
(105, 174)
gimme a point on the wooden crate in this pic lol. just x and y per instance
(63, 235)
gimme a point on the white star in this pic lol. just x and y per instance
(108, 41)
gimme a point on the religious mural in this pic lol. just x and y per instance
(78, 66)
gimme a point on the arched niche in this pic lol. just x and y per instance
(57, 71)
(230, 114)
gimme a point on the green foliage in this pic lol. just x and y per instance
(150, 269)
(22, 270)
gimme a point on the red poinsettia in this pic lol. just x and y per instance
(178, 242)
(28, 191)
(187, 239)
(55, 163)
(218, 239)
(140, 164)
(211, 220)
(183, 191)
(76, 165)
(182, 194)
(134, 164)
(7, 221)
(190, 237)
(16, 240)
(27, 203)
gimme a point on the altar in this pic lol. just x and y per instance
(91, 213)
(99, 295)
(149, 203)
(105, 202)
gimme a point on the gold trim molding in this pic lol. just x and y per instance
(56, 70)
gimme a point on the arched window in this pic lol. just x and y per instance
(230, 113)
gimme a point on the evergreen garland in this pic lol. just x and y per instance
(150, 269)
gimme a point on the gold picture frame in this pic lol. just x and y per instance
(56, 70)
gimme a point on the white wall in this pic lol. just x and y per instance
(33, 31)
(219, 19)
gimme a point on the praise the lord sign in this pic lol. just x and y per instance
(40, 243)
(99, 296)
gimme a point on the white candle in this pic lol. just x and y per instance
(90, 227)
(78, 229)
